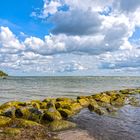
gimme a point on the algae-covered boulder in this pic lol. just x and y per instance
(75, 107)
(51, 115)
(12, 104)
(105, 98)
(9, 112)
(65, 113)
(10, 131)
(97, 109)
(22, 112)
(83, 102)
(22, 123)
(65, 100)
(119, 100)
(61, 125)
(4, 121)
(33, 114)
(63, 104)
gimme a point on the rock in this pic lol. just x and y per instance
(96, 108)
(4, 121)
(105, 98)
(75, 107)
(51, 115)
(119, 101)
(63, 104)
(65, 100)
(11, 104)
(65, 113)
(61, 125)
(22, 113)
(43, 105)
(9, 112)
(96, 97)
(22, 123)
(83, 102)
(11, 131)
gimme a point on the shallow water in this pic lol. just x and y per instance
(25, 88)
(124, 126)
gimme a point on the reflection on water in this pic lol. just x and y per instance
(124, 126)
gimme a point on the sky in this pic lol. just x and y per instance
(70, 37)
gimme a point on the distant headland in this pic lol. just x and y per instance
(3, 74)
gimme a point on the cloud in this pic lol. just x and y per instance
(74, 23)
(124, 5)
(50, 7)
(9, 42)
(87, 35)
(121, 60)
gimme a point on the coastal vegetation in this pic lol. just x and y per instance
(38, 119)
(3, 74)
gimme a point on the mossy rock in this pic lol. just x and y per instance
(9, 112)
(22, 113)
(4, 121)
(96, 97)
(119, 101)
(92, 106)
(76, 107)
(63, 104)
(65, 100)
(97, 109)
(33, 114)
(49, 100)
(22, 123)
(11, 104)
(51, 104)
(61, 125)
(83, 102)
(128, 91)
(10, 131)
(43, 105)
(105, 98)
(51, 115)
(65, 113)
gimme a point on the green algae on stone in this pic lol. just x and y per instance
(10, 104)
(61, 125)
(22, 123)
(10, 131)
(83, 102)
(4, 121)
(75, 107)
(63, 104)
(65, 113)
(51, 115)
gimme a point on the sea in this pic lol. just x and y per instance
(123, 126)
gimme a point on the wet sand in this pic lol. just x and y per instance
(77, 134)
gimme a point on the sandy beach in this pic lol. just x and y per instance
(77, 134)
